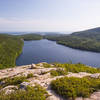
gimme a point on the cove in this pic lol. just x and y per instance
(48, 51)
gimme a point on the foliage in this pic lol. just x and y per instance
(84, 40)
(32, 93)
(46, 65)
(58, 72)
(12, 81)
(75, 68)
(28, 37)
(75, 87)
(30, 75)
(10, 49)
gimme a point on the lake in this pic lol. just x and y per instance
(48, 51)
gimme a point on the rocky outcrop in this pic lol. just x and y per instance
(79, 75)
(23, 70)
(42, 77)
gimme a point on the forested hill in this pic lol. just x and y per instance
(11, 47)
(28, 37)
(85, 40)
(91, 33)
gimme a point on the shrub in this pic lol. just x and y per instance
(46, 65)
(32, 93)
(58, 72)
(75, 87)
(12, 81)
(30, 75)
(75, 68)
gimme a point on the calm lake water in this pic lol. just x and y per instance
(48, 51)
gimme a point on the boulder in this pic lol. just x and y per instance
(33, 66)
(24, 85)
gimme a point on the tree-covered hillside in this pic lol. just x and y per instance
(91, 33)
(10, 49)
(85, 40)
(28, 37)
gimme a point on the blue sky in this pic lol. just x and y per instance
(49, 15)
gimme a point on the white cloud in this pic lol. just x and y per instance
(30, 25)
(15, 24)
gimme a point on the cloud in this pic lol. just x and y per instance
(15, 24)
(30, 24)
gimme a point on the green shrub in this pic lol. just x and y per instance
(32, 93)
(30, 75)
(75, 68)
(12, 81)
(58, 72)
(46, 65)
(75, 87)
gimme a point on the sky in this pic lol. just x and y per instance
(49, 15)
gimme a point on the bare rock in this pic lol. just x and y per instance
(95, 96)
(33, 66)
(80, 74)
(97, 75)
(9, 89)
(53, 98)
(36, 75)
(53, 95)
(24, 85)
(80, 98)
